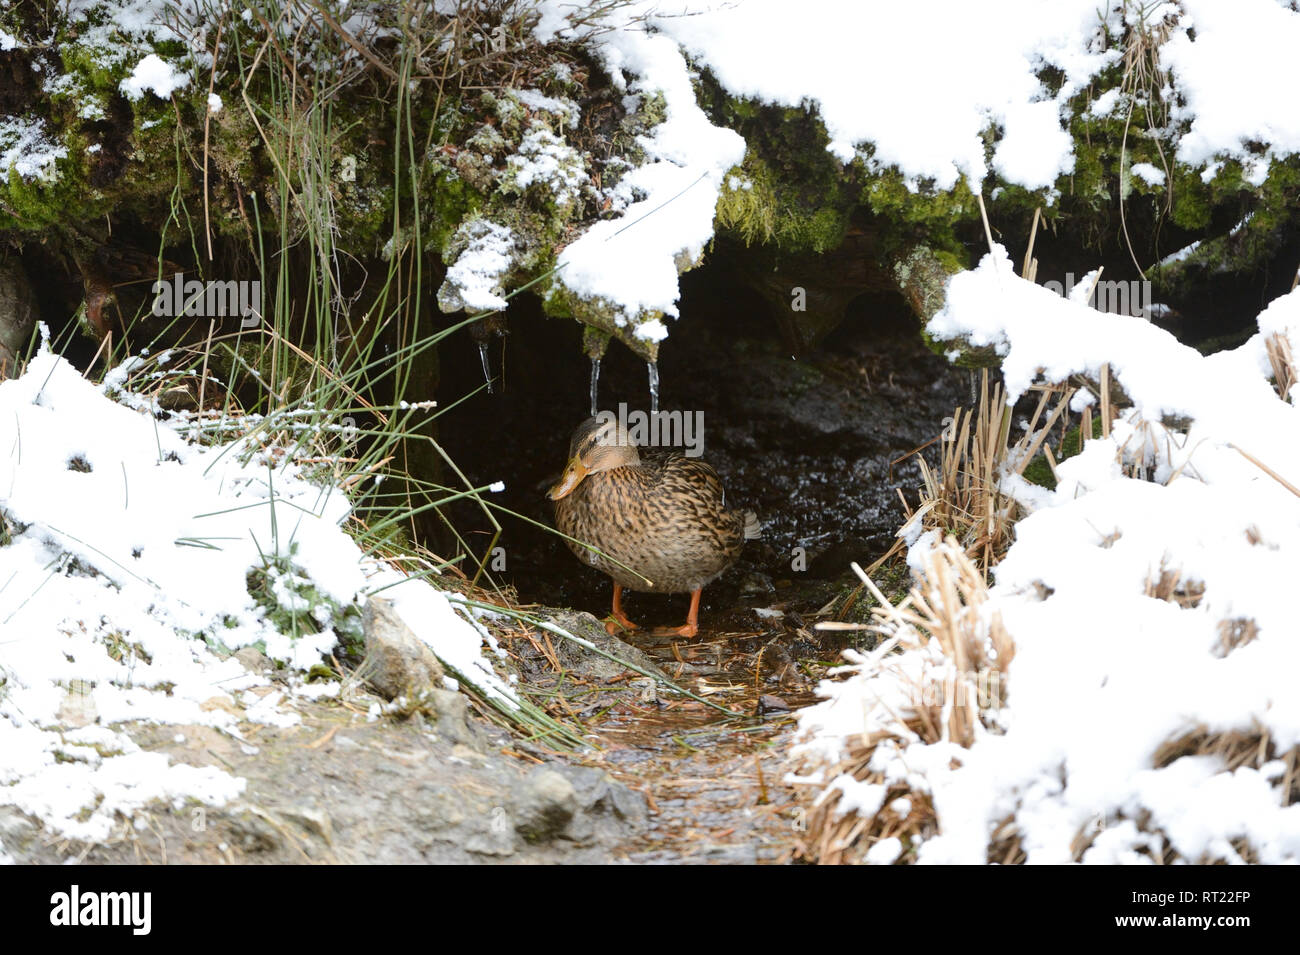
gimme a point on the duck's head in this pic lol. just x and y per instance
(599, 444)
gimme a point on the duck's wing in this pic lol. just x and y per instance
(674, 471)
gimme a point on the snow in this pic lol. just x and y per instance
(545, 159)
(1150, 174)
(943, 90)
(474, 281)
(153, 74)
(26, 148)
(667, 202)
(125, 586)
(950, 70)
(1234, 77)
(1105, 675)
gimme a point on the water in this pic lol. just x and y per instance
(487, 365)
(595, 384)
(653, 368)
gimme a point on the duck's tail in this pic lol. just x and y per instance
(753, 529)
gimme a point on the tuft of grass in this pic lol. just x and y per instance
(963, 497)
(953, 700)
(1171, 586)
(1286, 370)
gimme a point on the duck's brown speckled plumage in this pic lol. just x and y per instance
(664, 517)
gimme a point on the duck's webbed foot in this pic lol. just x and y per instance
(620, 618)
(692, 625)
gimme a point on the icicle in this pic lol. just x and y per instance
(487, 365)
(595, 384)
(654, 386)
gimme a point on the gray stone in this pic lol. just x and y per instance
(600, 794)
(311, 820)
(397, 662)
(452, 711)
(588, 664)
(253, 659)
(544, 804)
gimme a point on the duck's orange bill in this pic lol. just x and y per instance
(573, 475)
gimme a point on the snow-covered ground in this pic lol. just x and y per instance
(125, 586)
(1105, 673)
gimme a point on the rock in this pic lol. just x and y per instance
(544, 804)
(452, 711)
(249, 831)
(253, 659)
(397, 662)
(311, 820)
(17, 831)
(599, 794)
(593, 666)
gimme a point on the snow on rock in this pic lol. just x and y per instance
(26, 148)
(1079, 765)
(921, 82)
(1234, 72)
(475, 279)
(546, 160)
(132, 563)
(632, 262)
(155, 75)
(910, 86)
(918, 82)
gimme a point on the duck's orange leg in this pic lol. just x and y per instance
(618, 614)
(692, 625)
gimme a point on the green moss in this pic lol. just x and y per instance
(453, 201)
(754, 205)
(918, 212)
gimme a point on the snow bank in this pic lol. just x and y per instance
(921, 82)
(915, 87)
(918, 82)
(1095, 755)
(126, 564)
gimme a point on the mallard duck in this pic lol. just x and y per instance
(658, 522)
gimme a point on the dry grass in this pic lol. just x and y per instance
(1236, 749)
(1170, 585)
(1234, 633)
(951, 702)
(1285, 369)
(1144, 80)
(962, 497)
